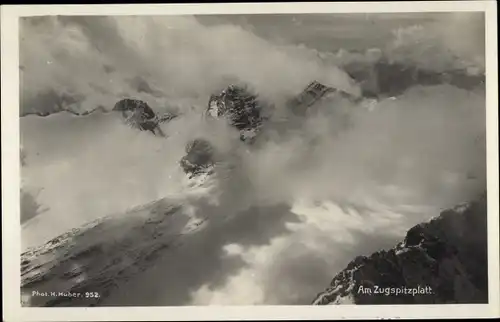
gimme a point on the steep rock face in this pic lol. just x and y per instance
(311, 94)
(240, 107)
(199, 158)
(439, 262)
(314, 92)
(138, 114)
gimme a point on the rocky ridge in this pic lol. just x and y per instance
(386, 78)
(313, 93)
(240, 107)
(94, 259)
(439, 262)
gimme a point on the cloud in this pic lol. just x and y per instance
(98, 59)
(423, 150)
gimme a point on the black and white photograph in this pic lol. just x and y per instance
(291, 159)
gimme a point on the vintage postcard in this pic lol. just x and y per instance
(250, 161)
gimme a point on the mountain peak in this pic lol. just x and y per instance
(438, 262)
(138, 114)
(238, 105)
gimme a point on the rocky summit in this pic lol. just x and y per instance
(310, 95)
(138, 114)
(443, 261)
(239, 106)
(314, 92)
(199, 157)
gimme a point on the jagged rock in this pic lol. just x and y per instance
(314, 92)
(199, 158)
(240, 107)
(442, 261)
(311, 94)
(138, 114)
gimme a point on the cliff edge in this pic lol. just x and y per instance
(443, 261)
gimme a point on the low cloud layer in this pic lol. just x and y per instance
(352, 178)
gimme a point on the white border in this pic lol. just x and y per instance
(10, 170)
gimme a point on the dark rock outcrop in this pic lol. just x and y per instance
(310, 95)
(240, 107)
(138, 114)
(439, 262)
(314, 92)
(199, 158)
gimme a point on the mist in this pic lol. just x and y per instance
(96, 60)
(355, 175)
